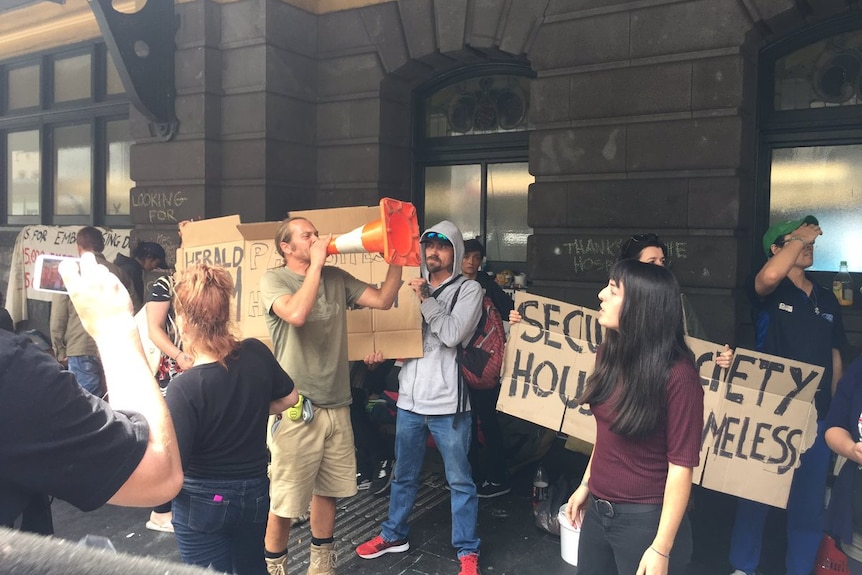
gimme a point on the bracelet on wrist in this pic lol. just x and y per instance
(585, 483)
(666, 556)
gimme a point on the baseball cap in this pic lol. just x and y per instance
(782, 229)
(474, 245)
(153, 250)
(435, 236)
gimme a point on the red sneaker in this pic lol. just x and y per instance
(380, 546)
(469, 564)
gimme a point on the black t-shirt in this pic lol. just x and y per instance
(220, 414)
(791, 324)
(55, 438)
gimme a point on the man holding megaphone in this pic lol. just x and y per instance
(313, 456)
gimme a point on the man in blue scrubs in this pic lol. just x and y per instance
(797, 319)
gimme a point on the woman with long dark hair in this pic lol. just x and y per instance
(647, 400)
(220, 407)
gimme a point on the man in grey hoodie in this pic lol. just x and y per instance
(432, 397)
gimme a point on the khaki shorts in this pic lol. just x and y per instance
(312, 458)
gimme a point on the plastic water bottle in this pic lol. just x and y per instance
(842, 285)
(540, 485)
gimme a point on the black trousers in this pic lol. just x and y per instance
(616, 544)
(488, 461)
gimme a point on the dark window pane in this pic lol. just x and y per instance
(24, 173)
(820, 75)
(72, 78)
(506, 224)
(73, 169)
(823, 181)
(113, 84)
(454, 193)
(117, 180)
(483, 105)
(24, 87)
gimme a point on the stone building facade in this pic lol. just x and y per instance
(643, 116)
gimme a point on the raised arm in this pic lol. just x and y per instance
(782, 261)
(105, 311)
(295, 308)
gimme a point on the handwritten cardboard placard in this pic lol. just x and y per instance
(54, 240)
(758, 416)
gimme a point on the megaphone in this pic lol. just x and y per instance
(395, 235)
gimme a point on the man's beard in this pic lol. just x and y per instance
(435, 266)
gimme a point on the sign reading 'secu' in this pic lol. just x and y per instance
(758, 418)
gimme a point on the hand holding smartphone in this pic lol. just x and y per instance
(47, 274)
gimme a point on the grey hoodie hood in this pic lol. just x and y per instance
(452, 232)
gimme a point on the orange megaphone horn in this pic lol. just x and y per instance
(395, 235)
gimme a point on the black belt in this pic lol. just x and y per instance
(607, 509)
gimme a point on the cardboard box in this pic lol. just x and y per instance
(758, 417)
(247, 251)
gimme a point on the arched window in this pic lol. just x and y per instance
(811, 136)
(471, 157)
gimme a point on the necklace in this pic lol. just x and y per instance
(813, 299)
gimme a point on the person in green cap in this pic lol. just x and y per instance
(797, 319)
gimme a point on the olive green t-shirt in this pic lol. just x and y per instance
(314, 355)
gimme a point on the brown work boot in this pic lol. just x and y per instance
(322, 559)
(277, 566)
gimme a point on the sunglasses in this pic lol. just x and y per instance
(649, 238)
(640, 238)
(436, 236)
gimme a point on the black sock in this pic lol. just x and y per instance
(270, 555)
(319, 542)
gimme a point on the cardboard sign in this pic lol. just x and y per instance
(54, 240)
(758, 417)
(758, 420)
(247, 251)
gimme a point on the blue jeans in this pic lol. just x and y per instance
(220, 523)
(804, 516)
(451, 433)
(88, 371)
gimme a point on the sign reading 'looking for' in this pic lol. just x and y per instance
(758, 416)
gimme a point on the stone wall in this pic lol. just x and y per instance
(641, 119)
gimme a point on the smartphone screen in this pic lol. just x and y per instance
(47, 277)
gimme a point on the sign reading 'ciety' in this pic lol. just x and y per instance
(758, 416)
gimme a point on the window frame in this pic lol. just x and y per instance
(482, 149)
(95, 111)
(830, 126)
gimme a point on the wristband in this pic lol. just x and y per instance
(659, 552)
(585, 484)
(791, 238)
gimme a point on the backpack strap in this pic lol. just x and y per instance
(462, 389)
